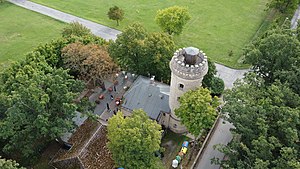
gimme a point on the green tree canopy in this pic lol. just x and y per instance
(115, 13)
(143, 53)
(40, 105)
(267, 125)
(283, 5)
(214, 84)
(52, 50)
(172, 19)
(133, 140)
(75, 29)
(9, 164)
(197, 110)
(276, 56)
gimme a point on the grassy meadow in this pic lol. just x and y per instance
(22, 30)
(217, 27)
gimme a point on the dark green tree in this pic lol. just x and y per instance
(276, 56)
(143, 53)
(40, 105)
(172, 19)
(267, 124)
(283, 5)
(115, 13)
(133, 140)
(214, 84)
(197, 110)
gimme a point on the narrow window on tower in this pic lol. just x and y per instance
(181, 86)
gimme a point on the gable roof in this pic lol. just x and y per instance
(152, 97)
(89, 150)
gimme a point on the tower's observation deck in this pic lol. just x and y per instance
(189, 63)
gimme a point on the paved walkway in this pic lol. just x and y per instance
(295, 18)
(221, 135)
(227, 74)
(97, 29)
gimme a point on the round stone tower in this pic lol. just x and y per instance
(188, 67)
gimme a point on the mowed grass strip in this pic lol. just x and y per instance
(22, 30)
(218, 27)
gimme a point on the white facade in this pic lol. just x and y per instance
(188, 67)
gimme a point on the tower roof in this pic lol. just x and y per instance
(189, 63)
(191, 51)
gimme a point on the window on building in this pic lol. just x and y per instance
(175, 125)
(181, 86)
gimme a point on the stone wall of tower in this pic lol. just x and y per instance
(183, 78)
(176, 90)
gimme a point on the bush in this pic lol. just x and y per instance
(75, 29)
(216, 86)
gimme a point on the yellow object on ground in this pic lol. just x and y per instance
(184, 150)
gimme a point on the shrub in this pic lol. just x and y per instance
(75, 29)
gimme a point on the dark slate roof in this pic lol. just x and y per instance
(152, 98)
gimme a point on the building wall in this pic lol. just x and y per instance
(178, 87)
(176, 91)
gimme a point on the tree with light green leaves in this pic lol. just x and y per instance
(172, 19)
(9, 164)
(133, 140)
(267, 125)
(197, 110)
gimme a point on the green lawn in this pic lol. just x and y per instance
(217, 27)
(22, 30)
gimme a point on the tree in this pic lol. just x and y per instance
(159, 49)
(9, 164)
(75, 29)
(52, 50)
(172, 19)
(133, 140)
(115, 13)
(214, 84)
(40, 105)
(197, 110)
(266, 118)
(276, 56)
(283, 5)
(91, 62)
(212, 71)
(143, 53)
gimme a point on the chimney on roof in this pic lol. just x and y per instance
(152, 80)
